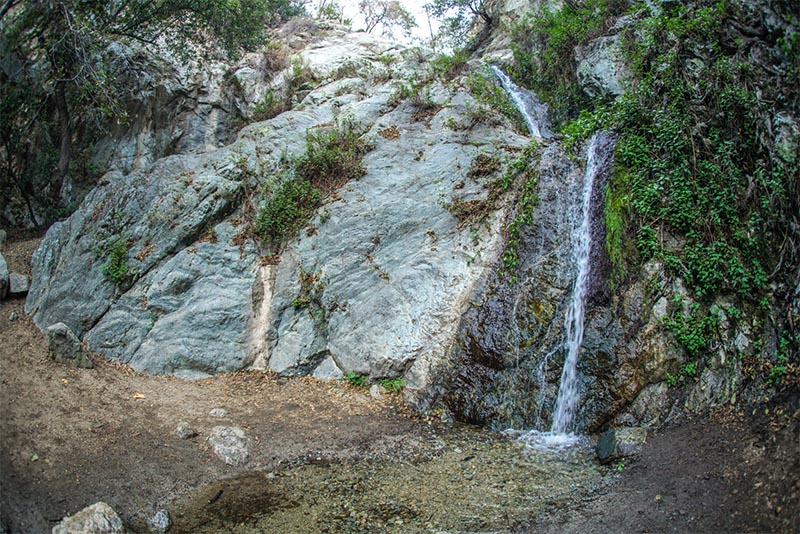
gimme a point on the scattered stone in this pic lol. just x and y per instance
(98, 518)
(160, 522)
(185, 431)
(3, 277)
(13, 316)
(218, 412)
(230, 443)
(377, 391)
(618, 443)
(65, 347)
(18, 284)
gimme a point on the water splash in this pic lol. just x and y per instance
(531, 109)
(567, 401)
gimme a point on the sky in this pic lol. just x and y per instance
(415, 7)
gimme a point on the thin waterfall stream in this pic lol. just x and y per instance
(600, 147)
(567, 400)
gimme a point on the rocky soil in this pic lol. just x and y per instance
(327, 457)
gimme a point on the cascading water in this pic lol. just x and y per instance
(567, 400)
(533, 112)
(597, 162)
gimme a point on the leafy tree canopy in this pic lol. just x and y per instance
(458, 19)
(61, 70)
(386, 13)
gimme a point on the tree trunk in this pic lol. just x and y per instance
(60, 172)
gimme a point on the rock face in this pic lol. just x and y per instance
(507, 362)
(601, 70)
(98, 518)
(616, 443)
(230, 444)
(65, 347)
(155, 268)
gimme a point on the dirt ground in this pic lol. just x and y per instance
(69, 438)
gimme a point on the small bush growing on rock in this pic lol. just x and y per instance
(333, 156)
(289, 209)
(394, 385)
(486, 91)
(116, 268)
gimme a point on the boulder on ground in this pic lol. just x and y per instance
(618, 443)
(98, 518)
(18, 284)
(230, 443)
(160, 522)
(65, 347)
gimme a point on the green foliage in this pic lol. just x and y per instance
(544, 51)
(522, 169)
(448, 66)
(289, 209)
(694, 184)
(695, 332)
(355, 379)
(393, 385)
(388, 14)
(64, 52)
(271, 106)
(458, 20)
(331, 10)
(116, 267)
(333, 156)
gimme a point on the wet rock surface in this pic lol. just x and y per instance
(616, 443)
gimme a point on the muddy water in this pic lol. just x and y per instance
(473, 480)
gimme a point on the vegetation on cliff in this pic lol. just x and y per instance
(706, 178)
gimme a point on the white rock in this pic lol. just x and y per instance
(230, 444)
(18, 284)
(98, 518)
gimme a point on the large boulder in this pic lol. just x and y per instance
(156, 269)
(18, 284)
(616, 443)
(98, 518)
(601, 68)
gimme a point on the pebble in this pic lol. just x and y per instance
(160, 522)
(218, 412)
(13, 317)
(185, 431)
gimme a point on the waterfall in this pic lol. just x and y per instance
(567, 400)
(533, 111)
(598, 162)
